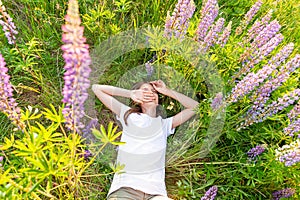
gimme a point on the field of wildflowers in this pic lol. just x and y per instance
(54, 137)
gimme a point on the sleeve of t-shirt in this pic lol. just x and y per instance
(124, 108)
(167, 126)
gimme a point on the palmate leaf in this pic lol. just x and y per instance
(53, 115)
(8, 143)
(109, 135)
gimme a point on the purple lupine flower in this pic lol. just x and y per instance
(217, 101)
(222, 39)
(293, 128)
(266, 49)
(255, 151)
(8, 25)
(266, 34)
(285, 193)
(149, 69)
(289, 154)
(210, 194)
(92, 124)
(8, 104)
(263, 93)
(250, 14)
(87, 154)
(249, 82)
(208, 14)
(294, 112)
(258, 26)
(1, 159)
(177, 24)
(212, 35)
(274, 107)
(281, 56)
(77, 61)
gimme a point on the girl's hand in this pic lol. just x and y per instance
(159, 86)
(141, 96)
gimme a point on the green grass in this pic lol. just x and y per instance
(37, 75)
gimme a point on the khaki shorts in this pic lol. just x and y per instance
(127, 193)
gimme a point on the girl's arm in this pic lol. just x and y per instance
(189, 103)
(105, 94)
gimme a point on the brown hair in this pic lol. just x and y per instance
(136, 107)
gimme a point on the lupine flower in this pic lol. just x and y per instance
(222, 39)
(266, 34)
(293, 128)
(252, 153)
(210, 194)
(294, 112)
(249, 82)
(262, 113)
(266, 49)
(212, 35)
(217, 101)
(149, 69)
(7, 24)
(77, 61)
(8, 104)
(285, 193)
(258, 26)
(289, 154)
(87, 154)
(263, 93)
(92, 124)
(208, 14)
(177, 24)
(250, 14)
(1, 159)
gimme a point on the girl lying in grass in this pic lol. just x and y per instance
(145, 135)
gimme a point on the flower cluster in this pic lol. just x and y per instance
(266, 34)
(258, 26)
(8, 104)
(249, 82)
(262, 113)
(252, 153)
(222, 39)
(177, 24)
(294, 112)
(285, 193)
(217, 101)
(213, 33)
(1, 160)
(77, 61)
(294, 126)
(289, 154)
(267, 48)
(208, 14)
(250, 14)
(210, 194)
(262, 94)
(7, 24)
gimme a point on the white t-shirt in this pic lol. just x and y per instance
(143, 154)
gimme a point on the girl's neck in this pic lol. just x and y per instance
(151, 111)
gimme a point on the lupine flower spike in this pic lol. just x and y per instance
(77, 61)
(272, 108)
(7, 24)
(222, 39)
(289, 154)
(210, 194)
(208, 14)
(8, 104)
(212, 35)
(255, 151)
(177, 24)
(262, 94)
(285, 193)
